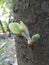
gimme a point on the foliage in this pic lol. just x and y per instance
(14, 27)
(1, 50)
(18, 28)
(5, 17)
(21, 28)
(1, 2)
(6, 13)
(36, 37)
(5, 25)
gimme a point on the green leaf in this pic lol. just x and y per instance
(24, 26)
(36, 37)
(1, 2)
(14, 28)
(1, 50)
(5, 26)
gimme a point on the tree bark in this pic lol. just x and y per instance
(35, 14)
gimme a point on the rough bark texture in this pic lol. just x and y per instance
(35, 14)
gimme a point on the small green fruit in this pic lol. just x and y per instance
(36, 37)
(14, 28)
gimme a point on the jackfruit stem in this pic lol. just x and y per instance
(26, 35)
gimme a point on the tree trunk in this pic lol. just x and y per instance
(35, 14)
